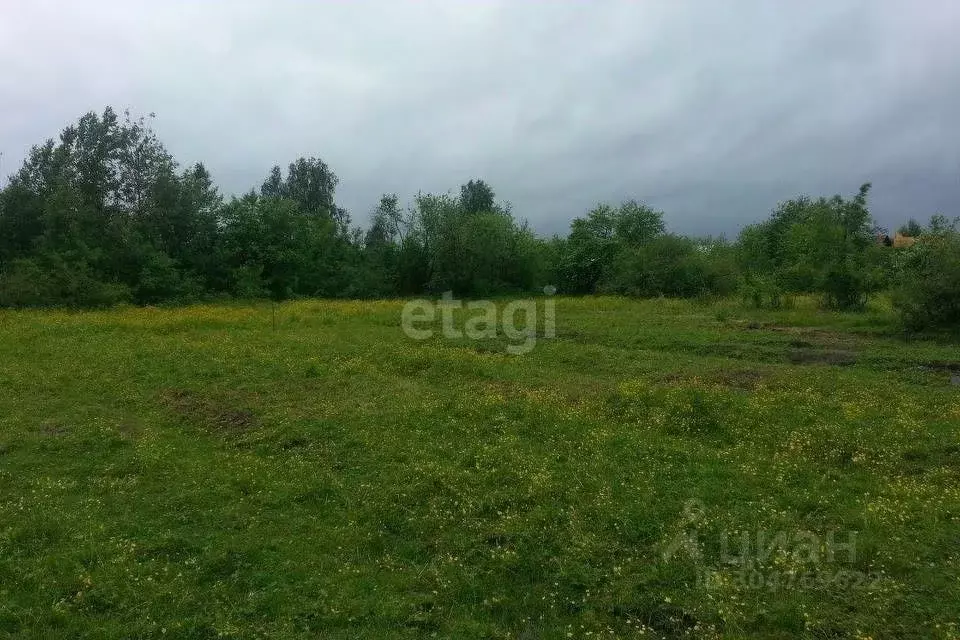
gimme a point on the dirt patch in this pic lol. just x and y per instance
(804, 337)
(837, 357)
(943, 367)
(745, 379)
(216, 414)
(130, 428)
(742, 379)
(917, 461)
(54, 429)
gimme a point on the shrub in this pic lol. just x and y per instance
(825, 246)
(51, 281)
(762, 292)
(673, 266)
(844, 287)
(927, 294)
(24, 284)
(161, 280)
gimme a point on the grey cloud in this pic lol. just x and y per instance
(710, 111)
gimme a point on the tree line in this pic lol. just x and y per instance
(104, 214)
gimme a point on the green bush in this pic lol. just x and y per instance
(927, 294)
(51, 281)
(24, 284)
(762, 292)
(161, 279)
(825, 246)
(844, 287)
(247, 282)
(673, 266)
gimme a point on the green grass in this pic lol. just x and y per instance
(198, 473)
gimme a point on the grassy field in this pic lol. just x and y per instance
(658, 469)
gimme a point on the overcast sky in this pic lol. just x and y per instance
(711, 111)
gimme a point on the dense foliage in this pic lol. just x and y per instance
(927, 288)
(826, 246)
(104, 214)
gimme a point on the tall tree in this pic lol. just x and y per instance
(311, 184)
(477, 197)
(597, 242)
